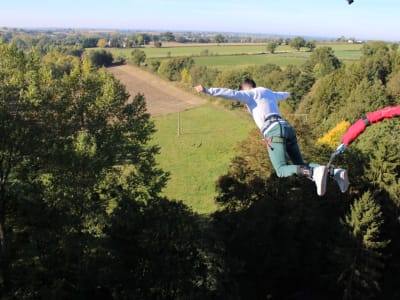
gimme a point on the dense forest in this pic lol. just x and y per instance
(81, 211)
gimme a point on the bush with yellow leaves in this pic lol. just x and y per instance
(332, 137)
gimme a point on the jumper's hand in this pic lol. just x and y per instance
(200, 89)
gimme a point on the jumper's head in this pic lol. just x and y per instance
(247, 84)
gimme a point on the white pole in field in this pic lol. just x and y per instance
(179, 123)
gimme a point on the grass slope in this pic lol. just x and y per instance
(201, 153)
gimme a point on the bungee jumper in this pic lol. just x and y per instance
(278, 134)
(358, 127)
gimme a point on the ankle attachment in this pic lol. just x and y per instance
(304, 171)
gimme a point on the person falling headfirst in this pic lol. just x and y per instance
(279, 135)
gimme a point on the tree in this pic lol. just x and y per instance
(203, 75)
(79, 180)
(275, 233)
(271, 46)
(384, 164)
(219, 39)
(60, 63)
(156, 252)
(100, 58)
(23, 140)
(90, 42)
(186, 77)
(171, 68)
(323, 61)
(393, 87)
(101, 43)
(22, 42)
(168, 36)
(394, 47)
(311, 45)
(361, 276)
(297, 43)
(115, 42)
(141, 39)
(157, 44)
(376, 62)
(372, 48)
(231, 78)
(138, 56)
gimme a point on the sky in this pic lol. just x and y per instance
(364, 19)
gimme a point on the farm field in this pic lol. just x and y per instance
(224, 62)
(226, 56)
(162, 97)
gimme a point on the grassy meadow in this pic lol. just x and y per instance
(201, 153)
(227, 56)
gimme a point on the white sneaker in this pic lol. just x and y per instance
(340, 176)
(320, 176)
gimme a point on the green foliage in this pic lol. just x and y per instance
(377, 64)
(372, 48)
(79, 181)
(154, 65)
(168, 36)
(267, 75)
(203, 75)
(138, 56)
(230, 79)
(275, 232)
(311, 45)
(171, 68)
(271, 46)
(90, 42)
(364, 222)
(323, 61)
(219, 38)
(156, 251)
(100, 58)
(384, 165)
(60, 63)
(297, 43)
(393, 87)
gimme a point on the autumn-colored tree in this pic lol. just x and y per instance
(332, 137)
(101, 43)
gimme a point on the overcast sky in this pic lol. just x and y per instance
(364, 19)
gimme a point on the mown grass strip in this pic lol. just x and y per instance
(201, 153)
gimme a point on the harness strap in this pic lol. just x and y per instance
(274, 139)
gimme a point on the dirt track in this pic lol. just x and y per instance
(161, 96)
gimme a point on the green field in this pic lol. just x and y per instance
(191, 50)
(224, 62)
(238, 56)
(201, 153)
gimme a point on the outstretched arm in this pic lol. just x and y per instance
(242, 96)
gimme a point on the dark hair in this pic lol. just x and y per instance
(247, 81)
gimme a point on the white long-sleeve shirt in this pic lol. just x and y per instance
(261, 102)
